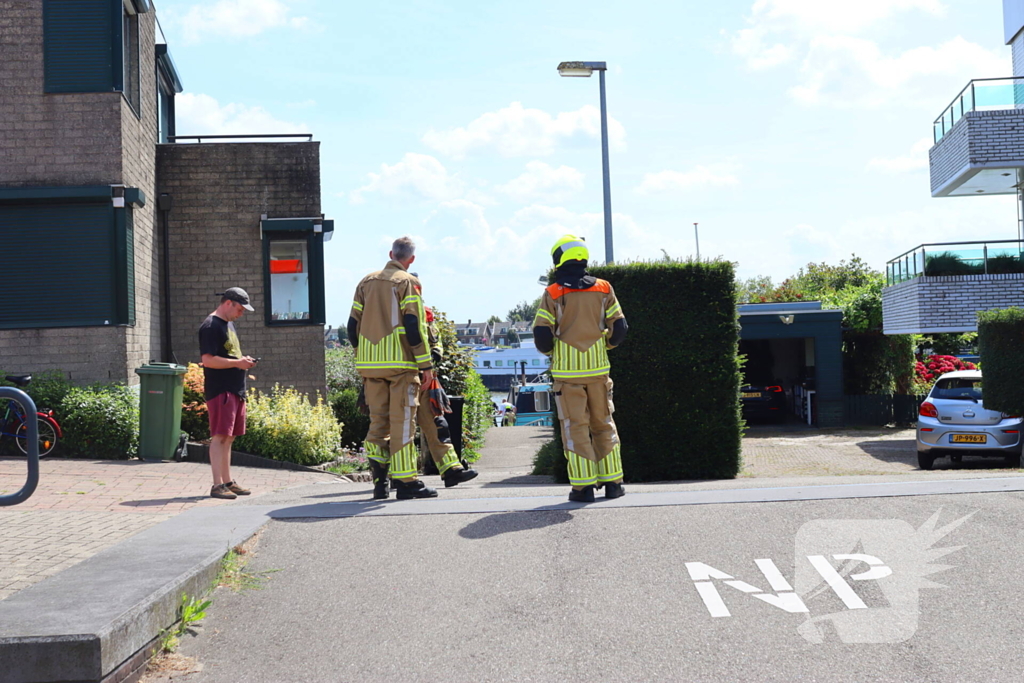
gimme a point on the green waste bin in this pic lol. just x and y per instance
(160, 409)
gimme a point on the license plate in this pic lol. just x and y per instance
(751, 394)
(968, 438)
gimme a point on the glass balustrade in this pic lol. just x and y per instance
(982, 94)
(996, 257)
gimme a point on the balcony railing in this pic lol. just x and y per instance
(981, 94)
(957, 258)
(250, 138)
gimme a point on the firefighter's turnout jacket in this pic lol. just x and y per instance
(387, 310)
(581, 321)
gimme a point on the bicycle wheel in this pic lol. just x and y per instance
(47, 437)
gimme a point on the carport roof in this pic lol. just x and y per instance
(802, 308)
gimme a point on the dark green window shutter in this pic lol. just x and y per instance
(124, 268)
(58, 265)
(81, 39)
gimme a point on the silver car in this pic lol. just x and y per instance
(953, 421)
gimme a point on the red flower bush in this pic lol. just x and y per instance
(931, 368)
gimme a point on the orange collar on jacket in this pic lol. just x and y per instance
(557, 291)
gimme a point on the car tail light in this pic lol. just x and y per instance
(1011, 431)
(774, 390)
(928, 410)
(927, 429)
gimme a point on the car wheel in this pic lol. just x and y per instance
(1013, 461)
(925, 461)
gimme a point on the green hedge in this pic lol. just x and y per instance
(355, 425)
(1000, 344)
(284, 425)
(677, 375)
(100, 421)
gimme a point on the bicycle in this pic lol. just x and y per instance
(14, 423)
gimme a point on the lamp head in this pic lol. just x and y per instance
(575, 69)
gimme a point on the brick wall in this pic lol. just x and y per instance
(948, 303)
(219, 192)
(980, 138)
(138, 159)
(49, 139)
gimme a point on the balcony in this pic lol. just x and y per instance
(941, 287)
(979, 140)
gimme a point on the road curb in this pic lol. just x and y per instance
(93, 620)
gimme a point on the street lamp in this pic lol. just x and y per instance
(585, 69)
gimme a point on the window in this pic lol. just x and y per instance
(289, 280)
(167, 85)
(487, 363)
(541, 401)
(547, 361)
(536, 361)
(497, 363)
(76, 254)
(504, 330)
(92, 46)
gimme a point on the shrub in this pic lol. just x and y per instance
(101, 421)
(949, 263)
(195, 420)
(340, 364)
(1000, 338)
(476, 416)
(929, 369)
(284, 425)
(677, 374)
(1002, 264)
(547, 460)
(355, 424)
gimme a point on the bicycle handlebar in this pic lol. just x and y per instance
(32, 425)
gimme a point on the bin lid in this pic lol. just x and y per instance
(161, 369)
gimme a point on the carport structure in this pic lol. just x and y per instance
(800, 346)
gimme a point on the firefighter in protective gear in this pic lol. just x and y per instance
(435, 427)
(579, 320)
(387, 326)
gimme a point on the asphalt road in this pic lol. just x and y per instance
(931, 593)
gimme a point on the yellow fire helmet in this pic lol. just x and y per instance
(569, 248)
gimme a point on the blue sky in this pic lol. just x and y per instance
(789, 130)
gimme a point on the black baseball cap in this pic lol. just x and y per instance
(237, 294)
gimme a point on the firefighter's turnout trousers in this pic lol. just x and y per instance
(442, 452)
(391, 438)
(591, 441)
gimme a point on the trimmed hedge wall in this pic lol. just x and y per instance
(677, 375)
(1001, 347)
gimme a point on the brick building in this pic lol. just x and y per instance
(95, 186)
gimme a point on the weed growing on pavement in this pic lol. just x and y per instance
(190, 612)
(233, 575)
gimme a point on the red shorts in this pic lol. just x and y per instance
(227, 414)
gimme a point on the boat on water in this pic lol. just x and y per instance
(500, 367)
(534, 403)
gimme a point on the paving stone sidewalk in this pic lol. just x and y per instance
(84, 506)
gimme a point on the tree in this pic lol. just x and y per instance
(493, 319)
(524, 311)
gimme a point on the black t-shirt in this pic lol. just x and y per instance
(217, 337)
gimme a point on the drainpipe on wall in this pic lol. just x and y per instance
(163, 205)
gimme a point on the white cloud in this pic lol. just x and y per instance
(839, 61)
(515, 131)
(237, 18)
(844, 71)
(417, 176)
(915, 160)
(700, 177)
(197, 114)
(543, 182)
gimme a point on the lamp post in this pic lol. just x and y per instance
(696, 237)
(584, 70)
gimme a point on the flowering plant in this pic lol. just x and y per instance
(194, 417)
(932, 367)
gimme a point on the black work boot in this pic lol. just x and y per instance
(457, 475)
(380, 480)
(584, 495)
(614, 489)
(414, 489)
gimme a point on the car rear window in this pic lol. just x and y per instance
(957, 387)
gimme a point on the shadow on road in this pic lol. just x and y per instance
(509, 522)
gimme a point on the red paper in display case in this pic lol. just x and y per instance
(282, 266)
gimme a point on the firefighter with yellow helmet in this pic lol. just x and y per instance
(579, 320)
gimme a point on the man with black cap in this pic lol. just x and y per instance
(224, 372)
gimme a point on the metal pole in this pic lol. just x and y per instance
(696, 237)
(32, 445)
(608, 250)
